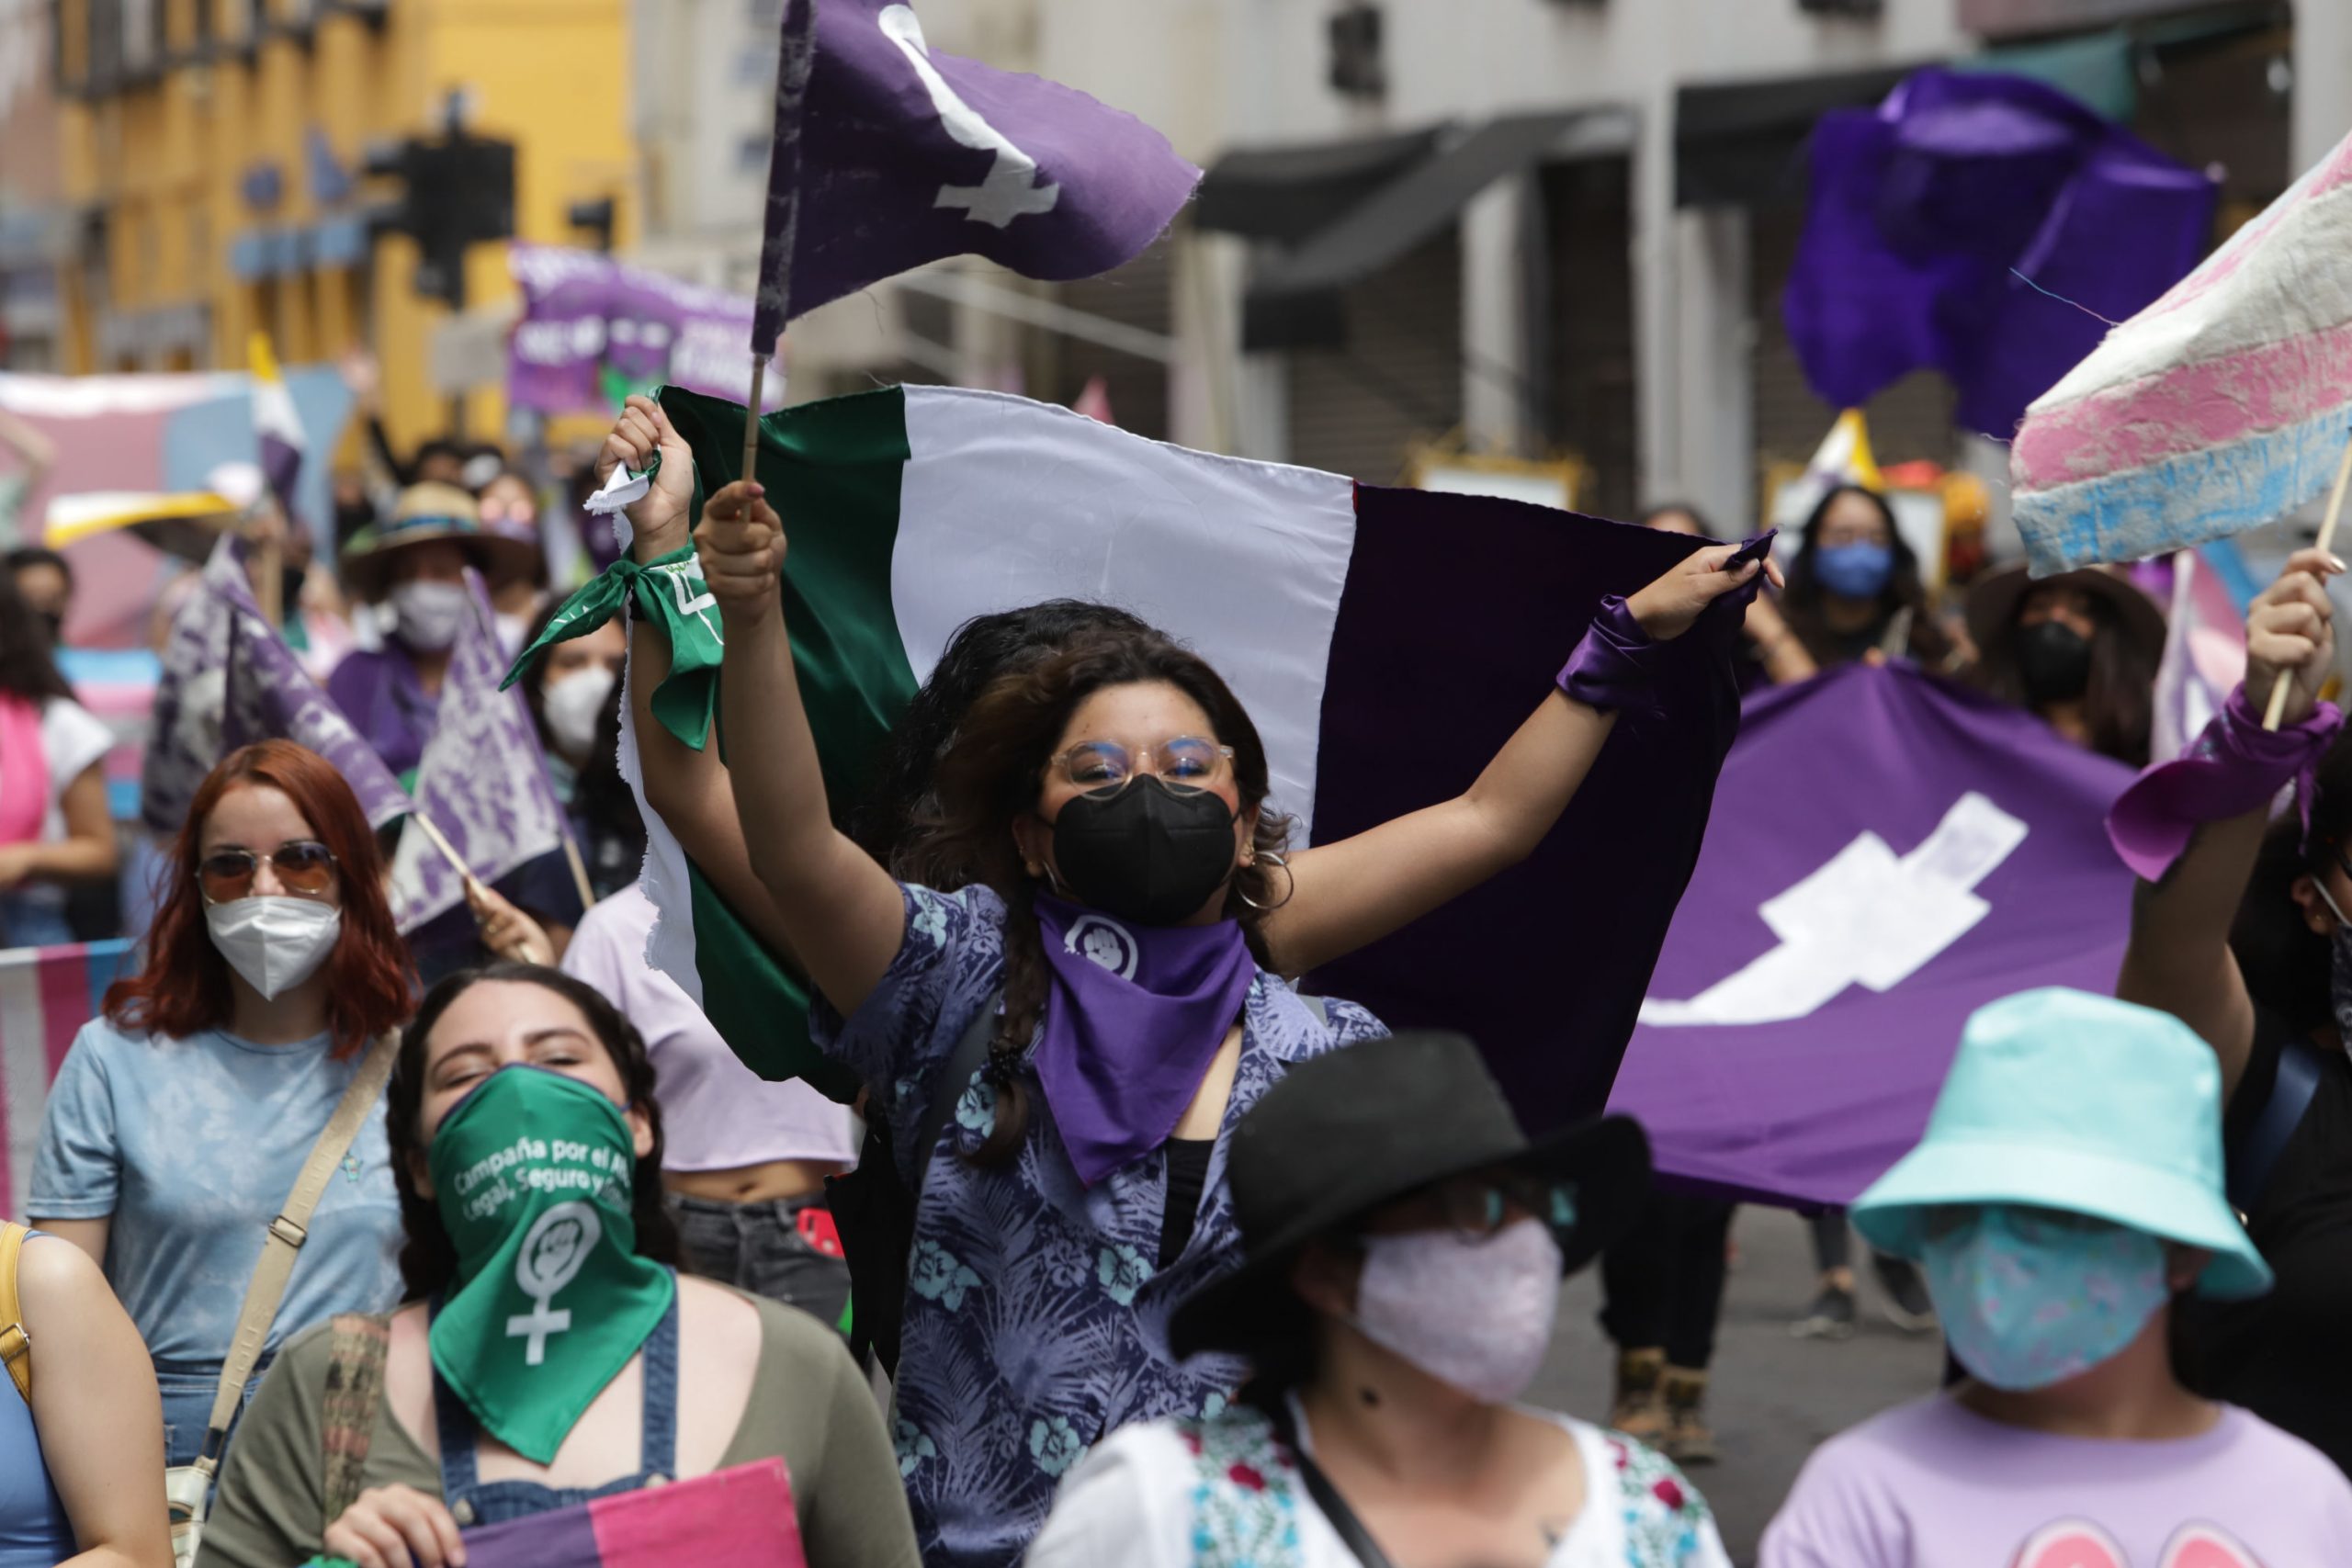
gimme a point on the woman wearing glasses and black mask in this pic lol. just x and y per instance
(182, 1114)
(1127, 912)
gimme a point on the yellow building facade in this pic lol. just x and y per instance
(213, 154)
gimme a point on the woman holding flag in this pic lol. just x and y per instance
(1132, 909)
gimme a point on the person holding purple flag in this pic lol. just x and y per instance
(2066, 1201)
(1118, 949)
(2238, 928)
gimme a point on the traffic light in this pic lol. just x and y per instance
(455, 192)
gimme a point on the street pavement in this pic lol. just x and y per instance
(1773, 1397)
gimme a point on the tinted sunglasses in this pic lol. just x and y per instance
(304, 866)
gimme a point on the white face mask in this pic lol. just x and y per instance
(510, 632)
(573, 705)
(274, 940)
(429, 614)
(1475, 1315)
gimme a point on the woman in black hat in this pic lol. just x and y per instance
(1392, 1310)
(2078, 650)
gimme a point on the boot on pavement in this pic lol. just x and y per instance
(1689, 1440)
(1640, 1411)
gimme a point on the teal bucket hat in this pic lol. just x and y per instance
(2061, 1099)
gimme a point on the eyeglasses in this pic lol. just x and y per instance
(305, 868)
(1106, 766)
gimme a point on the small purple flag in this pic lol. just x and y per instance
(185, 740)
(277, 429)
(1941, 223)
(482, 780)
(1910, 850)
(888, 155)
(269, 696)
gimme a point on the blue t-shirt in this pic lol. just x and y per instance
(192, 1146)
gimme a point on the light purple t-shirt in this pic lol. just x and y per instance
(1933, 1485)
(717, 1114)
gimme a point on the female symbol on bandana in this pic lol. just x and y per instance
(553, 1249)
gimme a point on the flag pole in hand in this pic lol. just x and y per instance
(2277, 709)
(781, 223)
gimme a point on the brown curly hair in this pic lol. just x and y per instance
(992, 774)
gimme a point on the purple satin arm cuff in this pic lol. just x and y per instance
(2234, 768)
(1612, 666)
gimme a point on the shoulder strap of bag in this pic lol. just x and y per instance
(16, 1345)
(2291, 1093)
(1344, 1520)
(287, 1233)
(946, 1087)
(355, 1393)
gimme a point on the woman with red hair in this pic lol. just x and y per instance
(182, 1114)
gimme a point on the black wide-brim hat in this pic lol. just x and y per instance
(1351, 1132)
(1993, 601)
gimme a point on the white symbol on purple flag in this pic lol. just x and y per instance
(1011, 189)
(1868, 917)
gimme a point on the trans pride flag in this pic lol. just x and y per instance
(46, 995)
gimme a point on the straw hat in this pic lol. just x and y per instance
(425, 513)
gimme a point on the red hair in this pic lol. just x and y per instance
(185, 988)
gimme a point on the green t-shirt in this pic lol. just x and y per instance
(809, 1407)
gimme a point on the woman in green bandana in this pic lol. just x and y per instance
(551, 1354)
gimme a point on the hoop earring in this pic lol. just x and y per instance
(1270, 857)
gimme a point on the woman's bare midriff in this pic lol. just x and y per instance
(770, 1182)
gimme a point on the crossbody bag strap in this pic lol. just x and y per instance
(16, 1345)
(287, 1233)
(1342, 1518)
(946, 1088)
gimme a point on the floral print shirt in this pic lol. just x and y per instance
(1035, 1321)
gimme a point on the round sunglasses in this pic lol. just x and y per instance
(304, 866)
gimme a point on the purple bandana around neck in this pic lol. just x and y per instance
(1133, 1017)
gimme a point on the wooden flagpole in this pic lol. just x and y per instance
(2277, 709)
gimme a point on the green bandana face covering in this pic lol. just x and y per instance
(532, 1173)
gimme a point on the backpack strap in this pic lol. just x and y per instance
(16, 1345)
(946, 1087)
(355, 1393)
(2291, 1093)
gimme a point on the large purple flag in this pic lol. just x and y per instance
(1924, 211)
(888, 155)
(1926, 850)
(482, 780)
(268, 696)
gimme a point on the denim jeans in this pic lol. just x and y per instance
(758, 1248)
(187, 1394)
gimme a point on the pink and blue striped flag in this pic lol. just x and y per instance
(46, 995)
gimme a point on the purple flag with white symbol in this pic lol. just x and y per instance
(587, 317)
(482, 780)
(184, 741)
(1940, 224)
(277, 429)
(269, 696)
(888, 155)
(1947, 850)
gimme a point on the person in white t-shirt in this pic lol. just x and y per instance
(55, 826)
(1388, 1313)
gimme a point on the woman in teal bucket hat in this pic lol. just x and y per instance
(2068, 1187)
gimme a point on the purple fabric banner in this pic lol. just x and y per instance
(483, 781)
(185, 740)
(586, 316)
(1934, 850)
(268, 696)
(1923, 212)
(905, 156)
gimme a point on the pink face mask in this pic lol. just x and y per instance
(1476, 1313)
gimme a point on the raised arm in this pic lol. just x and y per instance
(686, 788)
(1357, 890)
(843, 914)
(2179, 958)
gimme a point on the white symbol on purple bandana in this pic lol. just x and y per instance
(1104, 942)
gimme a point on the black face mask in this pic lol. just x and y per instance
(2055, 662)
(1147, 853)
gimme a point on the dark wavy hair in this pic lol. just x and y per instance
(428, 1260)
(2287, 965)
(992, 774)
(897, 803)
(1801, 603)
(27, 668)
(184, 988)
(2119, 703)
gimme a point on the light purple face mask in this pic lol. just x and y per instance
(1476, 1313)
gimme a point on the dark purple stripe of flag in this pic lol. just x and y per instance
(795, 57)
(1458, 612)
